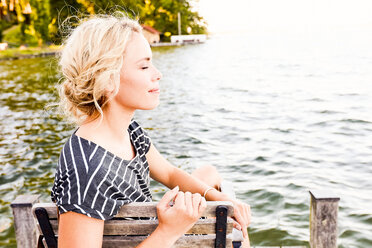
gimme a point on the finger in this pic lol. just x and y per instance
(248, 213)
(240, 220)
(180, 200)
(244, 212)
(196, 198)
(202, 206)
(236, 225)
(163, 203)
(188, 201)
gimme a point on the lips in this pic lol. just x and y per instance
(156, 90)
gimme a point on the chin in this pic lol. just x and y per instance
(149, 107)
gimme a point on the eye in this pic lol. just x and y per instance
(145, 67)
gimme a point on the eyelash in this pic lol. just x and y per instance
(144, 68)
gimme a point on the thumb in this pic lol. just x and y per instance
(164, 202)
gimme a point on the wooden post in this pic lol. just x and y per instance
(179, 23)
(24, 223)
(323, 220)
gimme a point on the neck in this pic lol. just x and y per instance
(114, 123)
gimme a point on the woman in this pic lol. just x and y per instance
(108, 71)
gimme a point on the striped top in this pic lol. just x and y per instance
(92, 181)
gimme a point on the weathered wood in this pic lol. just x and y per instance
(24, 222)
(323, 220)
(202, 241)
(148, 209)
(144, 209)
(117, 231)
(143, 227)
(278, 247)
(205, 241)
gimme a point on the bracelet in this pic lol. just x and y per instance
(206, 191)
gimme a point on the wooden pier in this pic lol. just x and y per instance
(323, 221)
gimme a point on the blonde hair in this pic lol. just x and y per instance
(90, 61)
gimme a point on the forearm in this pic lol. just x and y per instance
(158, 239)
(187, 182)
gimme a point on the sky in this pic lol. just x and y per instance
(314, 16)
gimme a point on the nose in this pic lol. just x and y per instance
(158, 75)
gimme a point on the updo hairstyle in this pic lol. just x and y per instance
(91, 60)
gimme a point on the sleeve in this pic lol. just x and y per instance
(76, 189)
(141, 136)
(147, 141)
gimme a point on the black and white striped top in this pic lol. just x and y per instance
(91, 180)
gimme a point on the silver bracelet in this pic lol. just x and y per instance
(206, 191)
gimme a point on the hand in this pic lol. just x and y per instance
(242, 214)
(179, 218)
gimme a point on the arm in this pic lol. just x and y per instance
(176, 220)
(78, 230)
(164, 172)
(169, 175)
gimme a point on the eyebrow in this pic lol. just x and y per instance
(147, 58)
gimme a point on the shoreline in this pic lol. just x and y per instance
(29, 56)
(30, 52)
(35, 52)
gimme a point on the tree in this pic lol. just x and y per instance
(40, 16)
(163, 15)
(60, 10)
(43, 18)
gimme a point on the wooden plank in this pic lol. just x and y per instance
(25, 201)
(323, 220)
(144, 227)
(131, 210)
(202, 241)
(143, 209)
(24, 223)
(120, 226)
(50, 207)
(279, 247)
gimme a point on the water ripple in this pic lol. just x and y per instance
(275, 128)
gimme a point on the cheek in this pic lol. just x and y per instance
(128, 90)
(128, 84)
(131, 91)
(134, 79)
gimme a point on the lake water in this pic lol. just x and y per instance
(277, 115)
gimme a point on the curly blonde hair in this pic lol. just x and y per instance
(91, 60)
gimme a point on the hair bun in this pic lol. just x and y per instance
(92, 59)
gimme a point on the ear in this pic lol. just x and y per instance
(111, 86)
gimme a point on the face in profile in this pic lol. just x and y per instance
(139, 79)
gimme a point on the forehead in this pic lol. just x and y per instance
(138, 48)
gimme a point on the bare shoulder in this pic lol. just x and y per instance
(94, 133)
(88, 132)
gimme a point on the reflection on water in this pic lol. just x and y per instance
(276, 119)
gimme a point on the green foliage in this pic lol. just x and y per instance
(47, 16)
(60, 10)
(15, 37)
(160, 14)
(41, 19)
(3, 26)
(163, 15)
(16, 52)
(131, 7)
